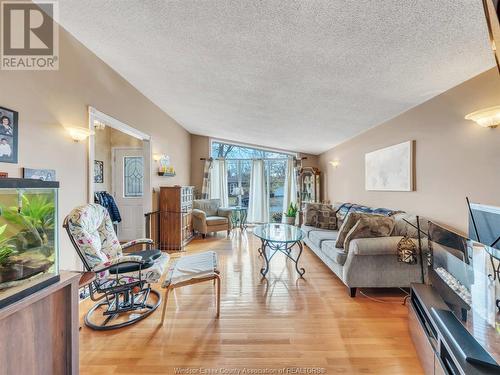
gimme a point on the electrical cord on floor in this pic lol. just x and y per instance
(405, 298)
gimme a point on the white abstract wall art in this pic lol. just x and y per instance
(390, 168)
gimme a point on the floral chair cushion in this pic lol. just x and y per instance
(92, 229)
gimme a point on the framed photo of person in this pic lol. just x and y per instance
(9, 134)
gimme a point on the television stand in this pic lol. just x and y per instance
(444, 345)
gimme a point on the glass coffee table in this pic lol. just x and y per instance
(279, 238)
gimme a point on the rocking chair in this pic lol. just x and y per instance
(122, 284)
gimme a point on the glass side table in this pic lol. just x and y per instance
(279, 238)
(239, 217)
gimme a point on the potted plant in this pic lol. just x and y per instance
(291, 214)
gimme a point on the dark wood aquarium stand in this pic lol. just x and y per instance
(40, 331)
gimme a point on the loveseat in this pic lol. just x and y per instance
(366, 262)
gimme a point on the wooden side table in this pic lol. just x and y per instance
(239, 217)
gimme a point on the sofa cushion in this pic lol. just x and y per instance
(328, 248)
(209, 206)
(311, 213)
(308, 228)
(327, 218)
(376, 246)
(351, 220)
(370, 227)
(320, 215)
(318, 236)
(343, 209)
(403, 228)
(216, 220)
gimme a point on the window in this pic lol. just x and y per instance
(239, 166)
(133, 176)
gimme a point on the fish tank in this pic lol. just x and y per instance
(29, 242)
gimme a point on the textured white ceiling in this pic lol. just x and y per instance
(299, 75)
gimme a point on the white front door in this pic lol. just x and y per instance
(128, 191)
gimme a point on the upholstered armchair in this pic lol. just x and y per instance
(209, 216)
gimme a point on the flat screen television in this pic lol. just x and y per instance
(492, 13)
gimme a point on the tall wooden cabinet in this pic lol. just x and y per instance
(176, 205)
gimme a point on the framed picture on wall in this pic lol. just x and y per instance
(98, 171)
(39, 174)
(391, 168)
(8, 135)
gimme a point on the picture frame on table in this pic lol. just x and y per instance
(39, 174)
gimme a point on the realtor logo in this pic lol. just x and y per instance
(30, 35)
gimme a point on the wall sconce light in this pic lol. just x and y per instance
(487, 117)
(79, 134)
(335, 163)
(98, 125)
(157, 157)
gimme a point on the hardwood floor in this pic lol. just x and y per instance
(281, 322)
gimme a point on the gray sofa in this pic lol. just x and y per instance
(369, 262)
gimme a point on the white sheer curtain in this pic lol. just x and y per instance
(290, 188)
(258, 204)
(218, 182)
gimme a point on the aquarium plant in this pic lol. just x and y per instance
(36, 215)
(6, 248)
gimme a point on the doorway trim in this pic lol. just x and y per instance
(98, 116)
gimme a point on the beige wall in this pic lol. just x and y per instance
(200, 148)
(48, 100)
(454, 157)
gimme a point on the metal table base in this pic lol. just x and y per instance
(272, 248)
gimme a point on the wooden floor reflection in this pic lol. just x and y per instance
(272, 324)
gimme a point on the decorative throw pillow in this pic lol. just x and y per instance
(407, 251)
(311, 213)
(326, 218)
(341, 211)
(370, 226)
(350, 220)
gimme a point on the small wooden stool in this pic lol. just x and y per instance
(189, 270)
